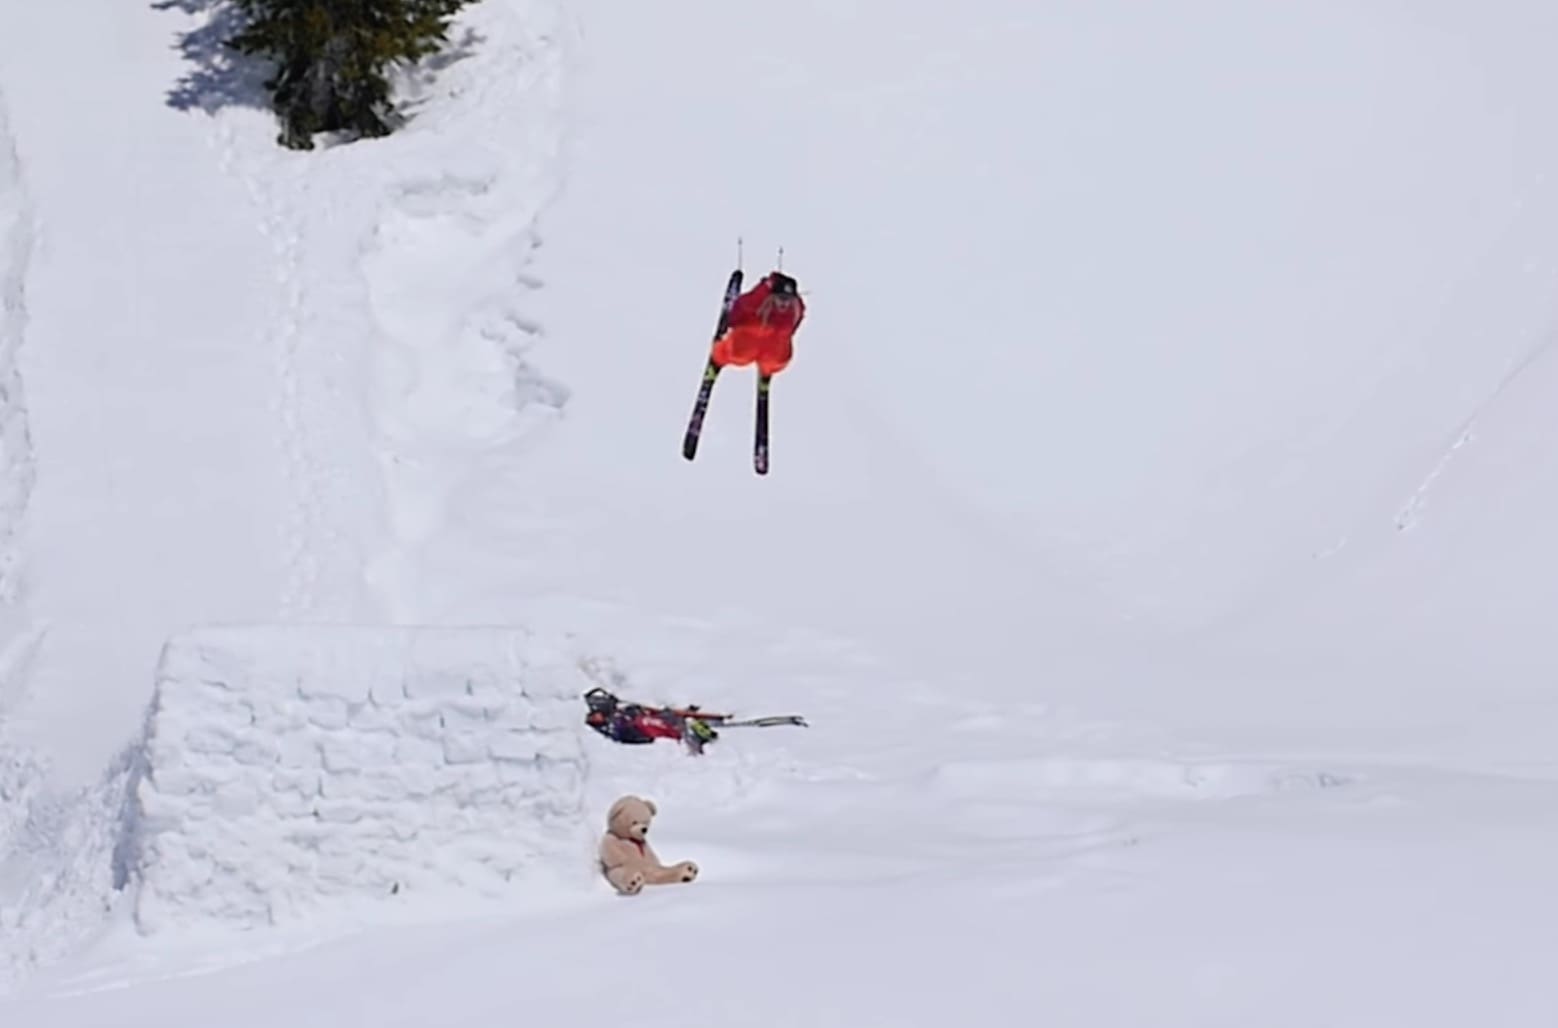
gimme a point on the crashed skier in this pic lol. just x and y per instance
(637, 723)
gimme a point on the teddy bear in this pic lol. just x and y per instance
(626, 857)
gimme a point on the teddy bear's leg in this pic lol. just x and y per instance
(685, 871)
(659, 874)
(626, 880)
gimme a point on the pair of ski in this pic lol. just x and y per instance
(711, 372)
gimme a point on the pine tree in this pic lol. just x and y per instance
(333, 58)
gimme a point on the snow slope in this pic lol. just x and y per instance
(1156, 540)
(148, 380)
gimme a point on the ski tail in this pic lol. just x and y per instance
(765, 722)
(700, 407)
(711, 370)
(760, 426)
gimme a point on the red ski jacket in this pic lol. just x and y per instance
(773, 315)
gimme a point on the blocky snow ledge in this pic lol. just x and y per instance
(335, 772)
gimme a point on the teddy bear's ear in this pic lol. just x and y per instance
(651, 805)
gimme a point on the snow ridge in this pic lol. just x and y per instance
(447, 269)
(292, 773)
(17, 472)
(57, 877)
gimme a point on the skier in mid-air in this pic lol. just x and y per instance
(761, 327)
(755, 327)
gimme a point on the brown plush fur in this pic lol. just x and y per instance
(626, 857)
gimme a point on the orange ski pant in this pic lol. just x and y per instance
(754, 344)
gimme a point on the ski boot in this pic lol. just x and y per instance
(697, 734)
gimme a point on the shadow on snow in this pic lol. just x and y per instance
(221, 77)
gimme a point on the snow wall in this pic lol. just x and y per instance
(287, 771)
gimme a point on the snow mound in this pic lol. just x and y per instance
(287, 770)
(60, 869)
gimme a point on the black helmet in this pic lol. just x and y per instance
(781, 283)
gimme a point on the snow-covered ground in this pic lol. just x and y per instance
(1157, 540)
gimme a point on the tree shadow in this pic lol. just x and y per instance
(220, 76)
(413, 83)
(457, 51)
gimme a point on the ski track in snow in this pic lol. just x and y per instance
(303, 511)
(1412, 511)
(314, 357)
(318, 547)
